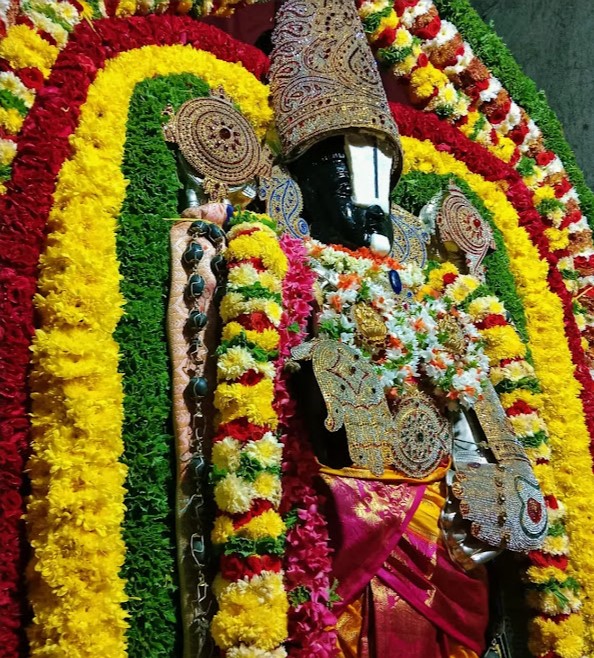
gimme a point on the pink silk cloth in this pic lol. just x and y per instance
(414, 601)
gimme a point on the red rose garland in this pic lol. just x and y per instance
(423, 126)
(43, 147)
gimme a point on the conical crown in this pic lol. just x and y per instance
(323, 77)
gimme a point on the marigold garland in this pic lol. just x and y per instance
(551, 590)
(445, 77)
(247, 454)
(562, 412)
(91, 202)
(24, 211)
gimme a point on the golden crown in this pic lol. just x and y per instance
(323, 78)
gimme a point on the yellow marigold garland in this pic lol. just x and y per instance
(573, 482)
(249, 531)
(76, 507)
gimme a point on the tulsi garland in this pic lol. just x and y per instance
(142, 246)
(103, 198)
(562, 413)
(249, 531)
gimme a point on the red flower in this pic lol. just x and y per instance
(519, 407)
(544, 158)
(31, 77)
(492, 320)
(448, 278)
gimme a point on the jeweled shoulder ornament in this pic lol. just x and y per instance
(217, 142)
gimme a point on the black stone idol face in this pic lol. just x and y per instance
(324, 177)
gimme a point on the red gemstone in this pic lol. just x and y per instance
(534, 510)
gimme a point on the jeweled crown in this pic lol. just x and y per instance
(323, 77)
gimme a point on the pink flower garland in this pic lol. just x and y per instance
(307, 561)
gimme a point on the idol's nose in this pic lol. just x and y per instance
(376, 230)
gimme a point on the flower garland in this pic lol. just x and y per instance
(307, 561)
(562, 412)
(249, 531)
(70, 304)
(24, 211)
(552, 591)
(415, 341)
(425, 126)
(444, 76)
(29, 49)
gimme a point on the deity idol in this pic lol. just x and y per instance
(423, 478)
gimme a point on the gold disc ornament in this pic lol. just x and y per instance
(217, 140)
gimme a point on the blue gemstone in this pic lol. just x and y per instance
(199, 228)
(197, 321)
(395, 281)
(195, 285)
(198, 387)
(192, 255)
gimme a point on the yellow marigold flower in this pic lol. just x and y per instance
(502, 343)
(504, 149)
(542, 452)
(558, 238)
(556, 545)
(268, 450)
(126, 8)
(542, 193)
(425, 79)
(565, 637)
(533, 399)
(253, 652)
(541, 575)
(233, 494)
(435, 279)
(403, 38)
(222, 529)
(23, 47)
(7, 151)
(267, 524)
(226, 454)
(267, 339)
(267, 486)
(527, 424)
(252, 402)
(479, 308)
(234, 362)
(461, 287)
(259, 245)
(11, 120)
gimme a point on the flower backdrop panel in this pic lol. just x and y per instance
(87, 180)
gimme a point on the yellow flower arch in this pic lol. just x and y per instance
(76, 508)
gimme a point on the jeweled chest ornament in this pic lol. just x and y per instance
(414, 441)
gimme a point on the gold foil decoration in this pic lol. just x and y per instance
(502, 499)
(371, 328)
(414, 442)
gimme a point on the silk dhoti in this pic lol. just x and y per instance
(400, 593)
